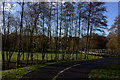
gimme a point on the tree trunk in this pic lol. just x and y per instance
(87, 40)
(7, 59)
(46, 56)
(32, 57)
(18, 59)
(27, 58)
(76, 56)
(21, 26)
(51, 54)
(23, 55)
(43, 56)
(37, 57)
(3, 57)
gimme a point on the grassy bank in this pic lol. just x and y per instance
(107, 72)
(20, 72)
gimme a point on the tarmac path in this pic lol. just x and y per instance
(70, 70)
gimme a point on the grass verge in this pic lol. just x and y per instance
(107, 72)
(18, 73)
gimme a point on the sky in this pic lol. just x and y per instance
(112, 12)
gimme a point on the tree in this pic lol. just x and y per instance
(56, 41)
(20, 37)
(113, 36)
(39, 26)
(95, 16)
(3, 57)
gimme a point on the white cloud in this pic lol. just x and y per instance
(8, 7)
(14, 5)
(63, 1)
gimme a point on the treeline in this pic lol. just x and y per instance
(30, 27)
(97, 42)
(114, 35)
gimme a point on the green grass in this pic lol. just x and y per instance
(107, 72)
(20, 72)
(47, 56)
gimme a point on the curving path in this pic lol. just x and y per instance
(69, 70)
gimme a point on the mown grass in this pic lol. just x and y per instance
(20, 72)
(106, 73)
(38, 56)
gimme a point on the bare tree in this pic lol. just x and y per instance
(20, 37)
